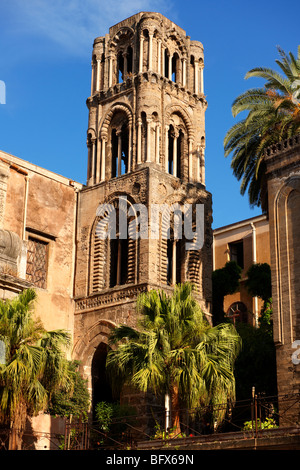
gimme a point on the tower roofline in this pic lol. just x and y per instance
(144, 15)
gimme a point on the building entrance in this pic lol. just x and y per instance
(101, 387)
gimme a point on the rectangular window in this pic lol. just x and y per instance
(37, 256)
(236, 251)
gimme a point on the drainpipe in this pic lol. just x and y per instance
(254, 261)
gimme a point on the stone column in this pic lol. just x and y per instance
(119, 135)
(174, 263)
(150, 51)
(159, 57)
(184, 72)
(129, 149)
(201, 79)
(157, 139)
(202, 162)
(103, 143)
(196, 77)
(175, 153)
(148, 159)
(98, 160)
(110, 72)
(167, 148)
(170, 67)
(198, 163)
(93, 160)
(141, 53)
(190, 160)
(163, 72)
(98, 75)
(139, 141)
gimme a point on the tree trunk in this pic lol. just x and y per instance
(17, 426)
(175, 410)
(167, 412)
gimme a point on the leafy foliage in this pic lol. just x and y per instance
(258, 281)
(224, 281)
(268, 423)
(256, 363)
(273, 115)
(175, 351)
(35, 364)
(73, 400)
(113, 420)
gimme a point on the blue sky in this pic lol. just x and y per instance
(45, 56)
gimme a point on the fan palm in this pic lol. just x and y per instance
(175, 353)
(273, 115)
(34, 364)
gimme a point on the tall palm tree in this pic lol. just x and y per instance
(34, 364)
(273, 115)
(175, 353)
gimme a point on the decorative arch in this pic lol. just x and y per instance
(117, 107)
(91, 142)
(116, 135)
(113, 260)
(124, 34)
(84, 349)
(176, 109)
(179, 138)
(174, 37)
(285, 227)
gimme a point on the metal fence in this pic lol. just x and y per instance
(246, 418)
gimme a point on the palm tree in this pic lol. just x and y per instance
(175, 353)
(34, 366)
(273, 115)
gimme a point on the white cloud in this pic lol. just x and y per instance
(73, 24)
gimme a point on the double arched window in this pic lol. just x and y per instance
(116, 137)
(177, 149)
(113, 249)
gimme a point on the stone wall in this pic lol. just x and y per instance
(283, 171)
(41, 206)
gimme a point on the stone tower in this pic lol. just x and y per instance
(146, 141)
(283, 173)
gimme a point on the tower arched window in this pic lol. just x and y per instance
(177, 148)
(119, 146)
(122, 248)
(171, 136)
(175, 259)
(172, 245)
(118, 261)
(129, 60)
(120, 65)
(113, 250)
(175, 68)
(166, 63)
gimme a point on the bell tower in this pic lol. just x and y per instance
(146, 144)
(147, 101)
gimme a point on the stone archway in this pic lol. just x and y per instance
(91, 350)
(101, 389)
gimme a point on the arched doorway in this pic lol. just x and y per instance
(101, 389)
